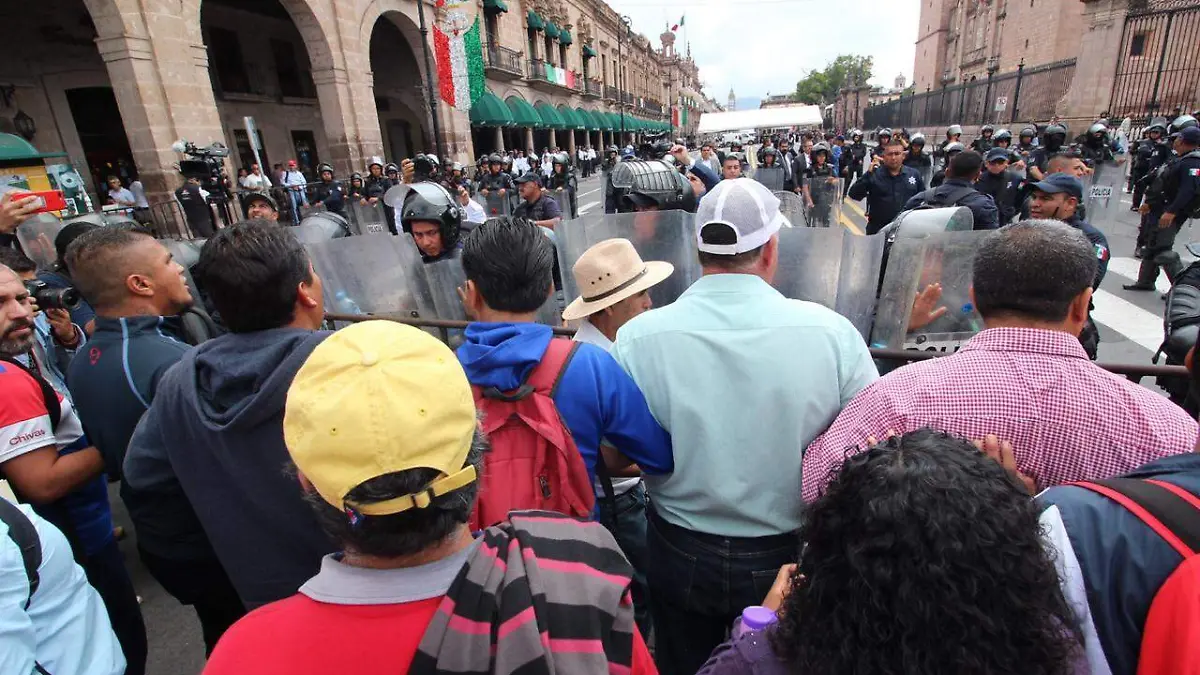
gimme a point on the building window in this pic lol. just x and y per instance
(225, 55)
(491, 25)
(549, 50)
(562, 55)
(532, 37)
(291, 82)
(604, 70)
(1137, 46)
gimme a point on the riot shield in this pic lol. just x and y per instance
(913, 263)
(791, 205)
(495, 204)
(367, 218)
(826, 210)
(563, 197)
(37, 235)
(371, 274)
(320, 227)
(1104, 194)
(832, 267)
(186, 252)
(669, 236)
(770, 176)
(926, 175)
(443, 278)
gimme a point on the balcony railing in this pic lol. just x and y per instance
(537, 70)
(652, 106)
(593, 88)
(611, 93)
(626, 98)
(503, 58)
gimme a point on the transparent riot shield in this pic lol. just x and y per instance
(1104, 195)
(832, 267)
(913, 264)
(37, 235)
(371, 274)
(367, 218)
(770, 176)
(495, 204)
(321, 227)
(791, 205)
(826, 209)
(186, 252)
(443, 278)
(563, 197)
(669, 236)
(926, 175)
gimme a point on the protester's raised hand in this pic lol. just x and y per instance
(15, 207)
(925, 308)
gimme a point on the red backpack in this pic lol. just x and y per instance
(1172, 628)
(533, 462)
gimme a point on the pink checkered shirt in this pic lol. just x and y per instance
(1067, 419)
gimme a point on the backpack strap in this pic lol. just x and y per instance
(950, 198)
(1169, 510)
(543, 377)
(24, 534)
(49, 396)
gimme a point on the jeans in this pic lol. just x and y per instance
(106, 573)
(202, 584)
(628, 527)
(701, 583)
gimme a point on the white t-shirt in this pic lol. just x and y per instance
(591, 335)
(257, 182)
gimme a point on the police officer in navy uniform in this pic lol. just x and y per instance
(999, 182)
(853, 156)
(1057, 197)
(886, 186)
(1152, 152)
(916, 157)
(1173, 197)
(1096, 146)
(882, 138)
(330, 192)
(1054, 140)
(536, 206)
(984, 142)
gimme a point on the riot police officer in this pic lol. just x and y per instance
(1053, 140)
(997, 181)
(330, 191)
(984, 142)
(953, 135)
(1002, 139)
(1058, 198)
(1152, 152)
(883, 137)
(433, 219)
(853, 156)
(1173, 197)
(1025, 142)
(1096, 147)
(819, 173)
(496, 179)
(376, 184)
(916, 157)
(948, 152)
(654, 185)
(562, 177)
(357, 189)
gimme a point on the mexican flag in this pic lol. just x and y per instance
(459, 65)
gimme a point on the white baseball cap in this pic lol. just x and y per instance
(743, 205)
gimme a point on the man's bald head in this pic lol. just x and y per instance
(1067, 162)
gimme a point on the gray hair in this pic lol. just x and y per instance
(1034, 269)
(407, 532)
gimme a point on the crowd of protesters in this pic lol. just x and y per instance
(723, 485)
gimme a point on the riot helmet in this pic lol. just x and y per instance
(954, 147)
(613, 150)
(323, 168)
(424, 166)
(560, 159)
(917, 139)
(495, 159)
(1158, 124)
(1055, 136)
(1182, 122)
(953, 130)
(772, 153)
(987, 131)
(856, 135)
(1002, 136)
(430, 202)
(883, 132)
(1028, 132)
(641, 184)
(356, 176)
(821, 147)
(391, 168)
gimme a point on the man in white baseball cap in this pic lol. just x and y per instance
(614, 285)
(743, 379)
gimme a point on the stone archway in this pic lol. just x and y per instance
(397, 72)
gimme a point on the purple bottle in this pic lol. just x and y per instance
(755, 618)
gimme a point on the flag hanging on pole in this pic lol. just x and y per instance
(459, 56)
(677, 26)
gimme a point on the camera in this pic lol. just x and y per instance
(206, 164)
(48, 297)
(654, 146)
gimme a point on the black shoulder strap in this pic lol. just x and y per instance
(49, 396)
(950, 198)
(1175, 512)
(24, 534)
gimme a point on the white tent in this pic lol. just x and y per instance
(761, 118)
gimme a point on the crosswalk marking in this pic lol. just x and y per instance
(588, 207)
(1135, 323)
(1128, 268)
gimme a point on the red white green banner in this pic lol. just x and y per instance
(459, 55)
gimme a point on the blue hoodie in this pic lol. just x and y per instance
(596, 397)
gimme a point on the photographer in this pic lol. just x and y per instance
(59, 277)
(57, 337)
(193, 199)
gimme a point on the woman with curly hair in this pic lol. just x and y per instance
(924, 556)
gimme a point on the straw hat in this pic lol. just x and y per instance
(610, 272)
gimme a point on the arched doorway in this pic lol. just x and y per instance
(399, 88)
(260, 67)
(54, 82)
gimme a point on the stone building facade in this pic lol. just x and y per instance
(114, 83)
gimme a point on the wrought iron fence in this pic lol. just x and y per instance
(1026, 94)
(1159, 71)
(592, 87)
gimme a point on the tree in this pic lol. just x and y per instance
(821, 86)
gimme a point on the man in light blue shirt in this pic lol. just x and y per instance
(744, 379)
(62, 627)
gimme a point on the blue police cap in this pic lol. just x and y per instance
(1061, 182)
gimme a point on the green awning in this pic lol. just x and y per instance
(523, 114)
(589, 122)
(551, 30)
(570, 119)
(550, 116)
(14, 148)
(535, 20)
(603, 120)
(490, 111)
(495, 6)
(614, 121)
(564, 37)
(589, 52)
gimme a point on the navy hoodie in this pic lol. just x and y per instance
(216, 426)
(596, 397)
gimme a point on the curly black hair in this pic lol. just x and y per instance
(925, 556)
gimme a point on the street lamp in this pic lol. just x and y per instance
(626, 28)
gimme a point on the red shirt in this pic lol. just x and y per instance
(1067, 418)
(300, 636)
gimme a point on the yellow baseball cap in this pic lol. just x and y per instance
(376, 398)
